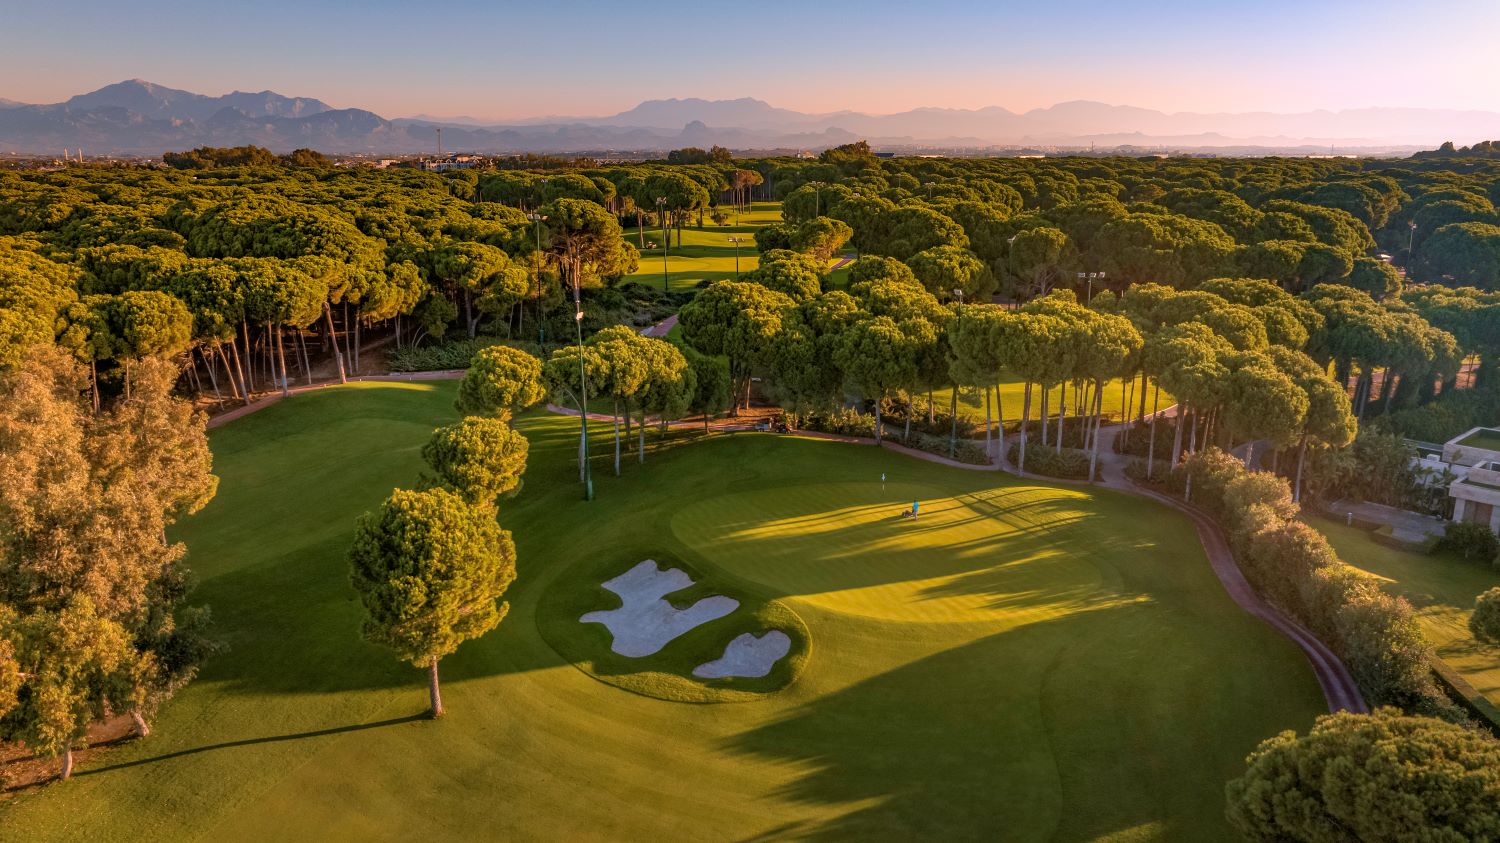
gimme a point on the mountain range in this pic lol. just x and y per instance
(139, 118)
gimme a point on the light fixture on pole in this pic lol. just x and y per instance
(736, 241)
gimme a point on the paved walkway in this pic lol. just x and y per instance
(1405, 525)
(662, 328)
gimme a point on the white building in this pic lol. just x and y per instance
(1474, 459)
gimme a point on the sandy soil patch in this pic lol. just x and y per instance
(747, 656)
(645, 622)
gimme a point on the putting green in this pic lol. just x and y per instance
(846, 547)
(1022, 662)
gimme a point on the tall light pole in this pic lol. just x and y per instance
(661, 210)
(1411, 239)
(817, 187)
(541, 327)
(1089, 277)
(953, 431)
(583, 391)
(736, 241)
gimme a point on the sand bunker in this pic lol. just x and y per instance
(645, 622)
(747, 656)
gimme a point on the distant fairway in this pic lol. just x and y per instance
(705, 253)
(1022, 662)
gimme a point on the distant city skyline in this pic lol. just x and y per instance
(497, 63)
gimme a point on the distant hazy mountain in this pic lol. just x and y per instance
(137, 117)
(148, 100)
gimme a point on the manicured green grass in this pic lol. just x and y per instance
(1021, 662)
(705, 253)
(1442, 589)
(1487, 439)
(1013, 397)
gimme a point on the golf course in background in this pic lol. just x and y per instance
(1021, 662)
(705, 253)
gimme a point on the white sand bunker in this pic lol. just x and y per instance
(645, 622)
(748, 656)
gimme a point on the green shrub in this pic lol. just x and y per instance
(1485, 622)
(1471, 541)
(1044, 460)
(844, 421)
(457, 354)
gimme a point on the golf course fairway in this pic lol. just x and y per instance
(1021, 662)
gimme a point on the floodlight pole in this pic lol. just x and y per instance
(1411, 239)
(736, 242)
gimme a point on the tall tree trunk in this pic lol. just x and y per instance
(250, 357)
(1025, 423)
(67, 763)
(1045, 416)
(906, 433)
(1098, 417)
(1062, 415)
(240, 367)
(338, 355)
(988, 424)
(213, 378)
(999, 423)
(1179, 421)
(1301, 455)
(281, 358)
(617, 437)
(434, 693)
(94, 382)
(307, 361)
(1151, 446)
(640, 452)
(469, 319)
(358, 318)
(953, 424)
(1145, 382)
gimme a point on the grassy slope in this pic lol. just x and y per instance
(1024, 661)
(1441, 588)
(705, 253)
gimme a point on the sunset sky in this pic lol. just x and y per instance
(511, 60)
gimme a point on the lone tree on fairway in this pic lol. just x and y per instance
(430, 569)
(479, 458)
(500, 378)
(1381, 776)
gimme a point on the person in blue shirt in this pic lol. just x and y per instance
(914, 509)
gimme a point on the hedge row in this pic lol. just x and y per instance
(1293, 566)
(1070, 463)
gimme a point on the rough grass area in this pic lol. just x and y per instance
(667, 674)
(1441, 587)
(1022, 662)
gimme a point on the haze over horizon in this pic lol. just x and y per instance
(494, 65)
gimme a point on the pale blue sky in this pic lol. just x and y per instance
(508, 60)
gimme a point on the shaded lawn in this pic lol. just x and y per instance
(1023, 662)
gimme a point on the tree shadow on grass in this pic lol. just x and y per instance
(1070, 729)
(316, 733)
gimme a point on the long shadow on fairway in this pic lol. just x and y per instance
(317, 733)
(1123, 718)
